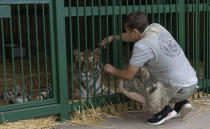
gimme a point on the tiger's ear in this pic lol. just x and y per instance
(75, 52)
(97, 51)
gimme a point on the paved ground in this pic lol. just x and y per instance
(197, 119)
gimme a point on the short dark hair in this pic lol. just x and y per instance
(136, 20)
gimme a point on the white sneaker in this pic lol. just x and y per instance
(186, 108)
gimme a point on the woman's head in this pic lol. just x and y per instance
(136, 20)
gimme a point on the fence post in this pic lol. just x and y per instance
(208, 46)
(60, 41)
(115, 45)
(181, 24)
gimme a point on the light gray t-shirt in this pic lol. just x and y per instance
(141, 54)
(159, 59)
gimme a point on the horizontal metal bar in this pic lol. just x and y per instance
(27, 113)
(190, 7)
(5, 11)
(109, 9)
(24, 1)
(26, 105)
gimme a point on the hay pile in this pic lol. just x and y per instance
(93, 117)
(202, 103)
(90, 117)
(37, 123)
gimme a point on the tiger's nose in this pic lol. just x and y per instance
(86, 74)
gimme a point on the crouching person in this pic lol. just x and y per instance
(165, 74)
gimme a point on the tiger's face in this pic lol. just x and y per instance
(88, 63)
(87, 68)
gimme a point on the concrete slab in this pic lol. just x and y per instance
(194, 120)
(199, 118)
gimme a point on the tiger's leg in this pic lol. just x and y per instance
(102, 89)
(130, 94)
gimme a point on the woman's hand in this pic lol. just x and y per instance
(106, 41)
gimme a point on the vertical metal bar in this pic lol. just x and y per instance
(133, 7)
(13, 61)
(100, 38)
(145, 7)
(4, 61)
(29, 51)
(60, 40)
(208, 48)
(133, 10)
(120, 41)
(107, 29)
(165, 14)
(181, 21)
(188, 29)
(152, 10)
(115, 45)
(196, 43)
(128, 46)
(45, 49)
(198, 36)
(53, 49)
(21, 53)
(107, 34)
(71, 56)
(139, 5)
(171, 17)
(177, 20)
(193, 37)
(120, 31)
(37, 48)
(93, 42)
(204, 47)
(78, 45)
(86, 50)
(159, 11)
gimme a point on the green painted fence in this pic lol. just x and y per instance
(41, 76)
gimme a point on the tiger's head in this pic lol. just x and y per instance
(87, 68)
(88, 63)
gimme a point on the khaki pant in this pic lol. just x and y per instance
(157, 95)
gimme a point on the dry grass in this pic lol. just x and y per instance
(201, 103)
(91, 117)
(37, 123)
(95, 116)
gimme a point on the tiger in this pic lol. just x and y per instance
(85, 75)
(89, 69)
(16, 96)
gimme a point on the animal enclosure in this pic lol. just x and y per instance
(51, 62)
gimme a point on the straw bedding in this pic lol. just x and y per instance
(93, 117)
(90, 117)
